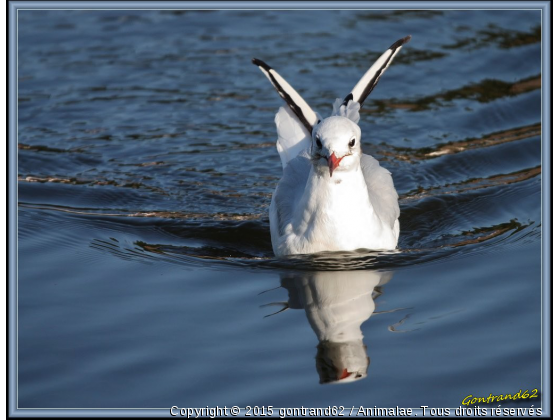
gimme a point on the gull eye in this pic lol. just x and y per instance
(352, 142)
(318, 142)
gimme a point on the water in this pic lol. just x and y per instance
(146, 166)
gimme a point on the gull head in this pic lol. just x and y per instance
(341, 362)
(336, 145)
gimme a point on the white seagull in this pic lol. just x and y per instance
(331, 197)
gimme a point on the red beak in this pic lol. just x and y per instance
(333, 162)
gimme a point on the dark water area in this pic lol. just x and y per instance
(146, 164)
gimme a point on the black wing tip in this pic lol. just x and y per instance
(400, 42)
(261, 63)
(349, 97)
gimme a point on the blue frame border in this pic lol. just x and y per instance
(546, 160)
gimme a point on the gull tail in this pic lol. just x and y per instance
(370, 79)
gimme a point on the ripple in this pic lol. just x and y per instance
(487, 90)
(473, 184)
(41, 148)
(358, 58)
(489, 140)
(496, 36)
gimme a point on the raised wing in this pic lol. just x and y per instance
(293, 137)
(296, 103)
(369, 80)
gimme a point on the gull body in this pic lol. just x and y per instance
(331, 197)
(312, 211)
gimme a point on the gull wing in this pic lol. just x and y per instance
(370, 79)
(381, 191)
(293, 137)
(287, 195)
(299, 107)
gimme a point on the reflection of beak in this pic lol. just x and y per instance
(333, 162)
(344, 374)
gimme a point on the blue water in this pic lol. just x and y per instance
(146, 165)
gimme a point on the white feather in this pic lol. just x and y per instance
(293, 138)
(350, 110)
(381, 191)
(306, 110)
(366, 78)
(312, 213)
(370, 74)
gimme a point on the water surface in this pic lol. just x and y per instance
(146, 163)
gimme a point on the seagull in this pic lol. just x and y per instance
(331, 197)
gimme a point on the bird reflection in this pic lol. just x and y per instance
(336, 304)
